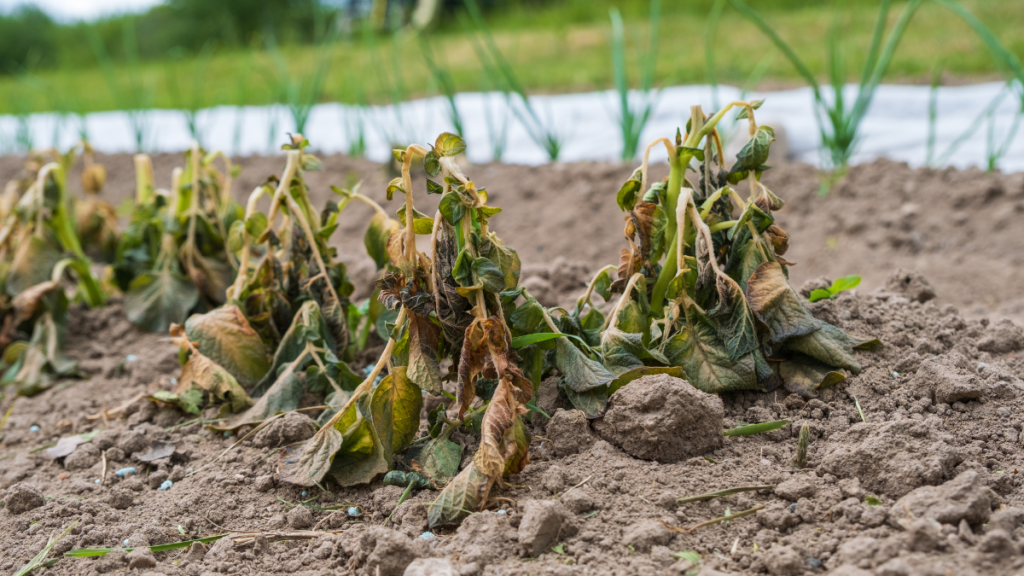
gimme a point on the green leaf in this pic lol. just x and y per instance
(626, 196)
(521, 341)
(399, 155)
(819, 294)
(579, 373)
(777, 305)
(745, 113)
(308, 325)
(462, 271)
(225, 336)
(256, 224)
(451, 207)
(432, 164)
(839, 285)
(448, 144)
(434, 187)
(697, 153)
(376, 239)
(396, 185)
(829, 345)
(236, 237)
(755, 152)
(159, 298)
(750, 429)
(460, 498)
(705, 359)
(489, 275)
(441, 458)
(422, 224)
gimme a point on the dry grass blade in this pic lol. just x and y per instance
(722, 493)
(712, 522)
(38, 560)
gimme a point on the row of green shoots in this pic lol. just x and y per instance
(259, 304)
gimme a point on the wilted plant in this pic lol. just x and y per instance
(95, 219)
(284, 328)
(39, 250)
(172, 258)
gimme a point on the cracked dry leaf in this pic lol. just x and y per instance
(225, 336)
(497, 436)
(777, 305)
(424, 369)
(205, 374)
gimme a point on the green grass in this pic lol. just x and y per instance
(566, 49)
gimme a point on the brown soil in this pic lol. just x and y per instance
(942, 403)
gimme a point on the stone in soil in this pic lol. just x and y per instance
(292, 427)
(784, 561)
(645, 534)
(23, 497)
(796, 487)
(431, 567)
(84, 457)
(544, 523)
(662, 418)
(1002, 338)
(963, 498)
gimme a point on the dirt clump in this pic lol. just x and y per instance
(292, 427)
(663, 418)
(569, 432)
(962, 498)
(23, 497)
(910, 284)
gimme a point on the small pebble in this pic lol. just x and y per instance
(131, 358)
(303, 493)
(166, 484)
(815, 563)
(766, 462)
(33, 428)
(895, 374)
(97, 481)
(427, 535)
(124, 472)
(792, 507)
(982, 366)
(125, 543)
(227, 434)
(353, 511)
(502, 512)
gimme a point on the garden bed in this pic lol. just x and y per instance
(940, 405)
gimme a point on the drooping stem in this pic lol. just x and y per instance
(299, 215)
(613, 318)
(593, 283)
(410, 228)
(243, 265)
(290, 168)
(366, 384)
(143, 178)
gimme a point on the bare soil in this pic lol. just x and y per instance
(926, 481)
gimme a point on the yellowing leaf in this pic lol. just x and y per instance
(205, 374)
(777, 305)
(225, 336)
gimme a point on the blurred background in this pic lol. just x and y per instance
(63, 62)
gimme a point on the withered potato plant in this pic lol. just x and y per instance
(40, 253)
(173, 259)
(284, 327)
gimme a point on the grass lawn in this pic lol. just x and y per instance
(559, 49)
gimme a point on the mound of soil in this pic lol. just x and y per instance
(913, 465)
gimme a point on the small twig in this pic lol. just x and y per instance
(111, 413)
(587, 479)
(103, 475)
(721, 493)
(711, 522)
